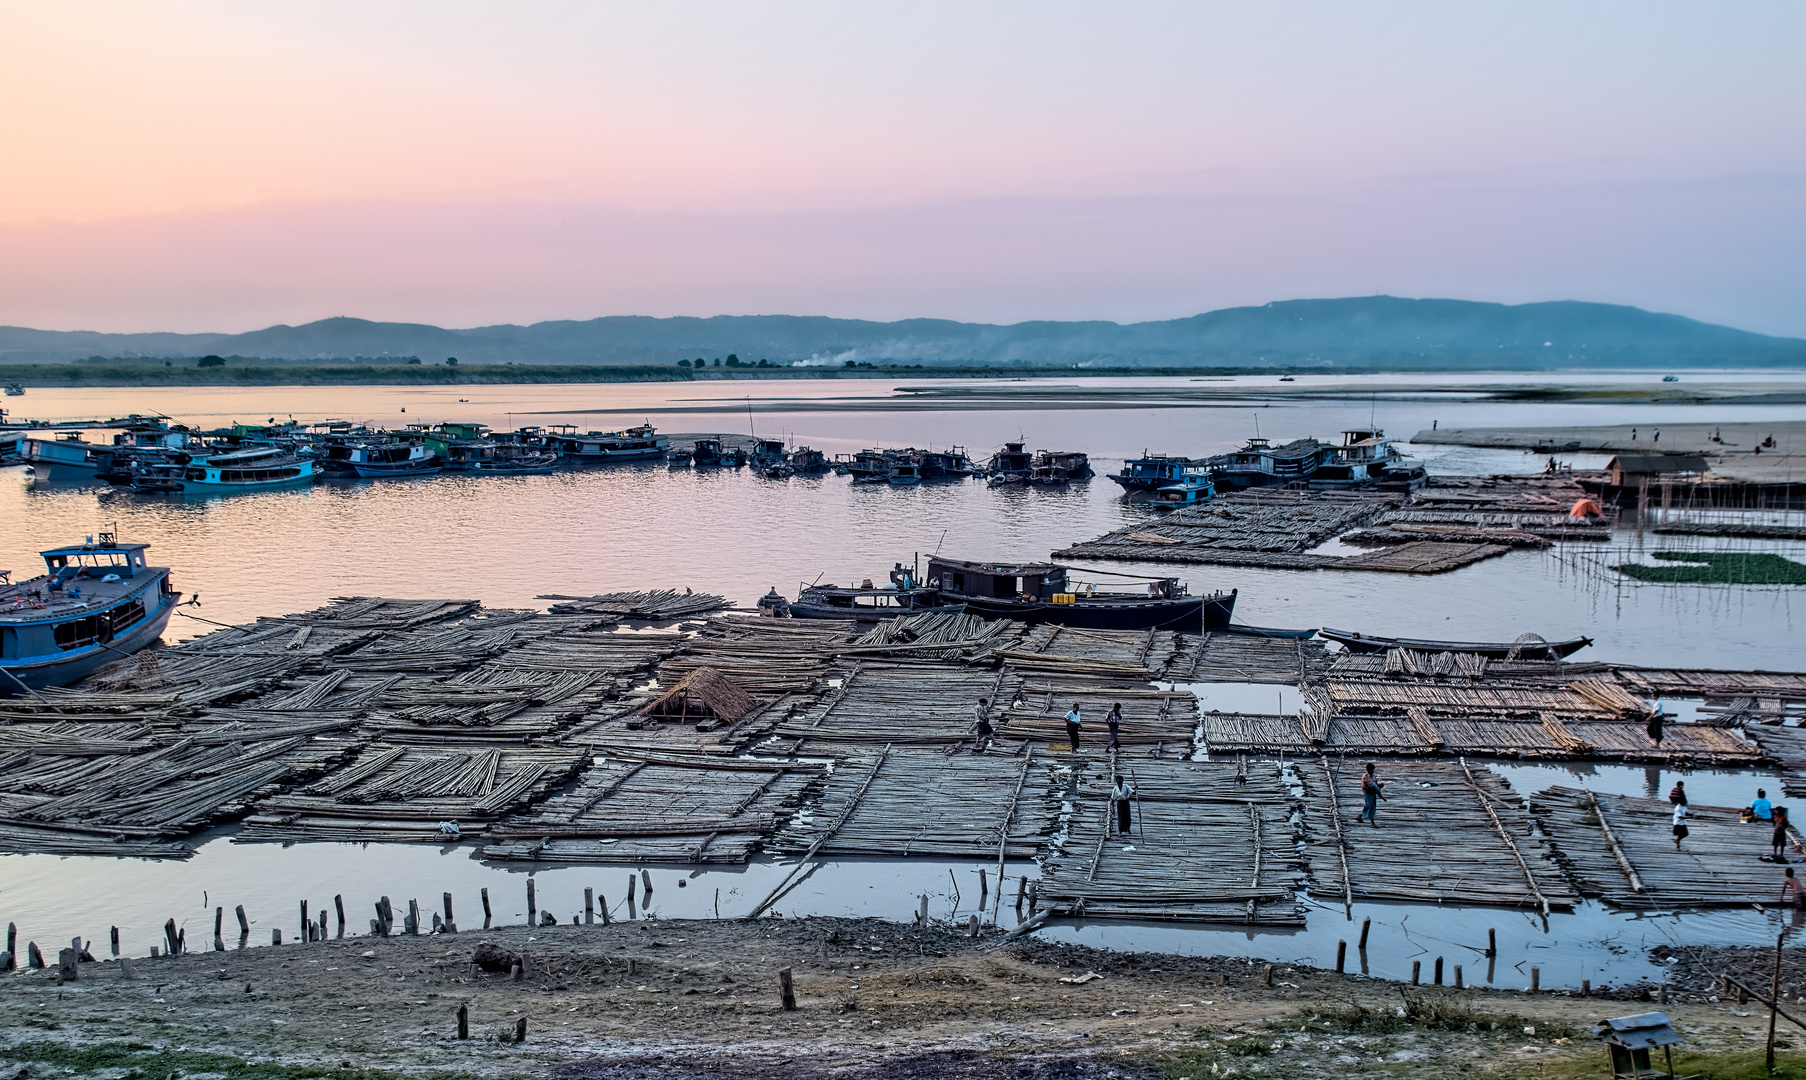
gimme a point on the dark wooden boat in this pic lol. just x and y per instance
(1534, 649)
(1029, 592)
(1151, 472)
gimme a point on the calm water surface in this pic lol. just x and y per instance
(505, 540)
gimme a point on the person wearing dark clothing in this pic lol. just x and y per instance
(1121, 796)
(1779, 840)
(1114, 720)
(982, 728)
(1073, 720)
(1654, 727)
(1678, 793)
(1372, 791)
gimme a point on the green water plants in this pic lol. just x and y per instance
(1719, 568)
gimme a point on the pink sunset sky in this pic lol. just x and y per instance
(225, 166)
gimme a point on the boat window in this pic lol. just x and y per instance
(1004, 586)
(77, 632)
(9, 643)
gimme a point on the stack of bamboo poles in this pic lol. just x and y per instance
(1421, 556)
(905, 704)
(765, 657)
(659, 808)
(1208, 842)
(905, 801)
(1252, 733)
(1130, 650)
(1672, 682)
(1265, 526)
(1150, 717)
(943, 636)
(1786, 745)
(1250, 658)
(1490, 699)
(414, 793)
(661, 605)
(1448, 832)
(1622, 848)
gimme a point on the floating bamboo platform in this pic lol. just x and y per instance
(1257, 527)
(910, 801)
(1787, 746)
(1209, 842)
(1248, 658)
(667, 808)
(901, 704)
(1622, 849)
(1449, 832)
(661, 605)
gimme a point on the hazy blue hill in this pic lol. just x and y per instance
(1373, 331)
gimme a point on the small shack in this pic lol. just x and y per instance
(705, 697)
(1629, 1039)
(1630, 470)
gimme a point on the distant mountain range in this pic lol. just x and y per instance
(1357, 332)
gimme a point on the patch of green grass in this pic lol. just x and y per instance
(1719, 568)
(143, 1060)
(1215, 1057)
(1423, 1012)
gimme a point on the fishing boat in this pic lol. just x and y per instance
(14, 389)
(1366, 457)
(869, 466)
(809, 462)
(460, 447)
(157, 478)
(904, 472)
(1054, 467)
(642, 443)
(393, 460)
(1010, 465)
(258, 469)
(767, 453)
(1261, 464)
(1528, 647)
(1150, 472)
(96, 603)
(1188, 489)
(521, 462)
(949, 464)
(707, 453)
(1030, 592)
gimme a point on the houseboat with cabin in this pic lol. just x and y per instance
(1052, 467)
(642, 443)
(1366, 457)
(1261, 464)
(1150, 472)
(1010, 465)
(97, 602)
(1030, 592)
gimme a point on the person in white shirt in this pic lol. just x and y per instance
(1073, 719)
(1680, 824)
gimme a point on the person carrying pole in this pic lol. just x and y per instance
(1073, 720)
(1114, 721)
(1372, 791)
(1121, 796)
(982, 727)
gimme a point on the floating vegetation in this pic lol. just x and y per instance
(1719, 568)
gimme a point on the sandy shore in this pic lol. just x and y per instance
(682, 999)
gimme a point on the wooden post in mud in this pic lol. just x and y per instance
(66, 959)
(34, 956)
(169, 935)
(244, 924)
(984, 888)
(338, 904)
(1438, 970)
(464, 1021)
(1774, 1000)
(219, 927)
(486, 915)
(445, 900)
(114, 937)
(275, 935)
(646, 893)
(589, 905)
(412, 923)
(1586, 988)
(520, 1030)
(1492, 942)
(1266, 975)
(532, 904)
(632, 912)
(922, 912)
(972, 925)
(307, 923)
(1021, 891)
(1416, 972)
(1458, 983)
(1341, 955)
(786, 990)
(1366, 925)
(603, 901)
(1536, 979)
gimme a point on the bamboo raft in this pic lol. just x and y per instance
(1248, 658)
(889, 703)
(1622, 849)
(909, 801)
(662, 605)
(666, 808)
(1256, 527)
(1209, 842)
(1449, 832)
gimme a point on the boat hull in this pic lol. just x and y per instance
(1189, 614)
(41, 673)
(1553, 650)
(379, 472)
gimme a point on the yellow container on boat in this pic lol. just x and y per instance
(1063, 597)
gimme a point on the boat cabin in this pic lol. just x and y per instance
(1008, 581)
(94, 560)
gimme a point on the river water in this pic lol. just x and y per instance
(505, 540)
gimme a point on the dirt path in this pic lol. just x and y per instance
(683, 999)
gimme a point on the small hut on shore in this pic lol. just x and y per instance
(705, 697)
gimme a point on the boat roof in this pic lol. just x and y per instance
(90, 549)
(999, 569)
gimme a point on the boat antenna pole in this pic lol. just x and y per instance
(938, 543)
(1257, 425)
(749, 417)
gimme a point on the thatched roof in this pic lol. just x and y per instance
(703, 694)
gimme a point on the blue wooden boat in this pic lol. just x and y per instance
(261, 468)
(97, 602)
(1189, 489)
(1151, 472)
